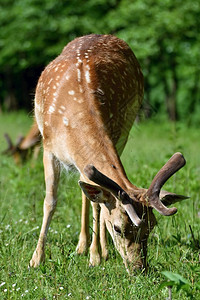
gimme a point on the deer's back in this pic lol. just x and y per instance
(95, 81)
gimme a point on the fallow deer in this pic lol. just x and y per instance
(20, 150)
(85, 104)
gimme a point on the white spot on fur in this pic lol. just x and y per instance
(51, 109)
(50, 81)
(71, 92)
(60, 112)
(65, 121)
(63, 107)
(79, 75)
(87, 76)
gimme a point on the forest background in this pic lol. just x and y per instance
(164, 36)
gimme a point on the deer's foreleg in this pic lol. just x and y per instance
(103, 239)
(52, 172)
(84, 237)
(95, 258)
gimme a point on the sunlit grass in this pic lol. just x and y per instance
(66, 275)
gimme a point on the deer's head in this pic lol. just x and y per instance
(20, 150)
(128, 215)
(14, 150)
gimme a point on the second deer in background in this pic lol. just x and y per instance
(20, 150)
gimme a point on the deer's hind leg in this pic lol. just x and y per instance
(52, 174)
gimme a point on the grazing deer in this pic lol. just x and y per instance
(85, 105)
(23, 144)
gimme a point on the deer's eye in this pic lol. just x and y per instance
(117, 230)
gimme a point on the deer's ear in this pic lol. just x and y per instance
(92, 192)
(170, 198)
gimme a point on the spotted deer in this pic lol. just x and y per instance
(85, 104)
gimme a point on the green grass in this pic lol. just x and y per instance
(68, 276)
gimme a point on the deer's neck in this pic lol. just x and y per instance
(102, 154)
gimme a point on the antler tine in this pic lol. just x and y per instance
(176, 162)
(10, 145)
(97, 177)
(9, 141)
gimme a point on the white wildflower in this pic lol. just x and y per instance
(2, 283)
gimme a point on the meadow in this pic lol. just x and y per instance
(173, 247)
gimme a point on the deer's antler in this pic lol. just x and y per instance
(176, 162)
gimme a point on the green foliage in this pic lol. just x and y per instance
(175, 279)
(163, 34)
(179, 282)
(65, 275)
